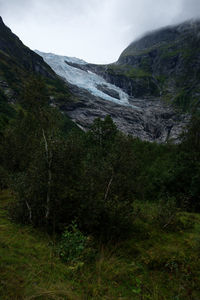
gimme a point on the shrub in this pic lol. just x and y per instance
(72, 244)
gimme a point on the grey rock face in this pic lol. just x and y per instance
(148, 119)
(108, 91)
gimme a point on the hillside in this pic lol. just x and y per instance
(164, 63)
(160, 72)
(18, 63)
(148, 118)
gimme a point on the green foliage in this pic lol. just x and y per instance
(137, 73)
(92, 177)
(166, 216)
(58, 178)
(163, 265)
(7, 112)
(73, 243)
(183, 100)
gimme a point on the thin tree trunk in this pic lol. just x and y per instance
(49, 162)
(48, 191)
(108, 186)
(30, 211)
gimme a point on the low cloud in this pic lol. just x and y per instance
(94, 30)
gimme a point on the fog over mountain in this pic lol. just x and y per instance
(96, 31)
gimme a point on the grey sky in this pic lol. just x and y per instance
(94, 30)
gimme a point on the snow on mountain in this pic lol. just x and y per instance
(83, 79)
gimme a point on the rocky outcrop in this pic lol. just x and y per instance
(148, 119)
(110, 92)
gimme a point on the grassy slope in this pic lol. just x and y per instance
(153, 264)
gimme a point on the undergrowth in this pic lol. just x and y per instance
(156, 262)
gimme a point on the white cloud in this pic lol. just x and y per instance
(94, 30)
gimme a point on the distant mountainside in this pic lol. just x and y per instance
(163, 63)
(131, 90)
(148, 119)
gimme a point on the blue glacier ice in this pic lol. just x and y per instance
(83, 79)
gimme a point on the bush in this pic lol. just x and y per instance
(72, 244)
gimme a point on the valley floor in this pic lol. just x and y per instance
(155, 263)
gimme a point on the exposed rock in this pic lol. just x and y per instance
(148, 119)
(108, 91)
(157, 64)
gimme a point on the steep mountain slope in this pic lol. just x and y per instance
(87, 91)
(18, 62)
(148, 119)
(162, 63)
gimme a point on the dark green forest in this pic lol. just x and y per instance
(96, 214)
(59, 174)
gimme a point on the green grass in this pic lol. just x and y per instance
(154, 263)
(28, 267)
(128, 71)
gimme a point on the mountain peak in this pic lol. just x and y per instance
(167, 34)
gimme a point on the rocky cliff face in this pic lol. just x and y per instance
(147, 119)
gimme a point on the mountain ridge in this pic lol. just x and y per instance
(145, 116)
(165, 63)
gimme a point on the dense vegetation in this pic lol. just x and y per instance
(101, 187)
(59, 175)
(154, 263)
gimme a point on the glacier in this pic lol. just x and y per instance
(83, 79)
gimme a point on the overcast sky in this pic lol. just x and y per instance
(94, 30)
